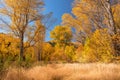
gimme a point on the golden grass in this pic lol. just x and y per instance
(67, 72)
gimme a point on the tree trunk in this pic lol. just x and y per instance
(112, 24)
(38, 55)
(21, 57)
(110, 17)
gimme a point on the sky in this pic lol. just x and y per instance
(58, 7)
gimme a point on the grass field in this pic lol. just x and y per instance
(93, 71)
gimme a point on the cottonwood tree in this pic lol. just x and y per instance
(39, 39)
(112, 21)
(80, 21)
(107, 7)
(19, 14)
(91, 15)
(35, 34)
(98, 47)
(8, 47)
(116, 37)
(116, 14)
(61, 35)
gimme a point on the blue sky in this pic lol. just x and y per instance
(58, 7)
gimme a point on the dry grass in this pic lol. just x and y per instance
(67, 72)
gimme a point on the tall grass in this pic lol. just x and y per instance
(67, 72)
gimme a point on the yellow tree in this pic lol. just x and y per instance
(61, 34)
(47, 52)
(116, 37)
(98, 12)
(90, 15)
(20, 13)
(80, 21)
(9, 48)
(98, 47)
(39, 39)
(116, 14)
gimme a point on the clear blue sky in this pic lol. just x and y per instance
(58, 7)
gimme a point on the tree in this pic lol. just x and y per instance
(98, 47)
(9, 50)
(116, 14)
(8, 44)
(36, 34)
(116, 37)
(89, 15)
(48, 51)
(59, 53)
(81, 20)
(20, 14)
(39, 39)
(61, 34)
(70, 53)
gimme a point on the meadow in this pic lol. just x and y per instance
(75, 71)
